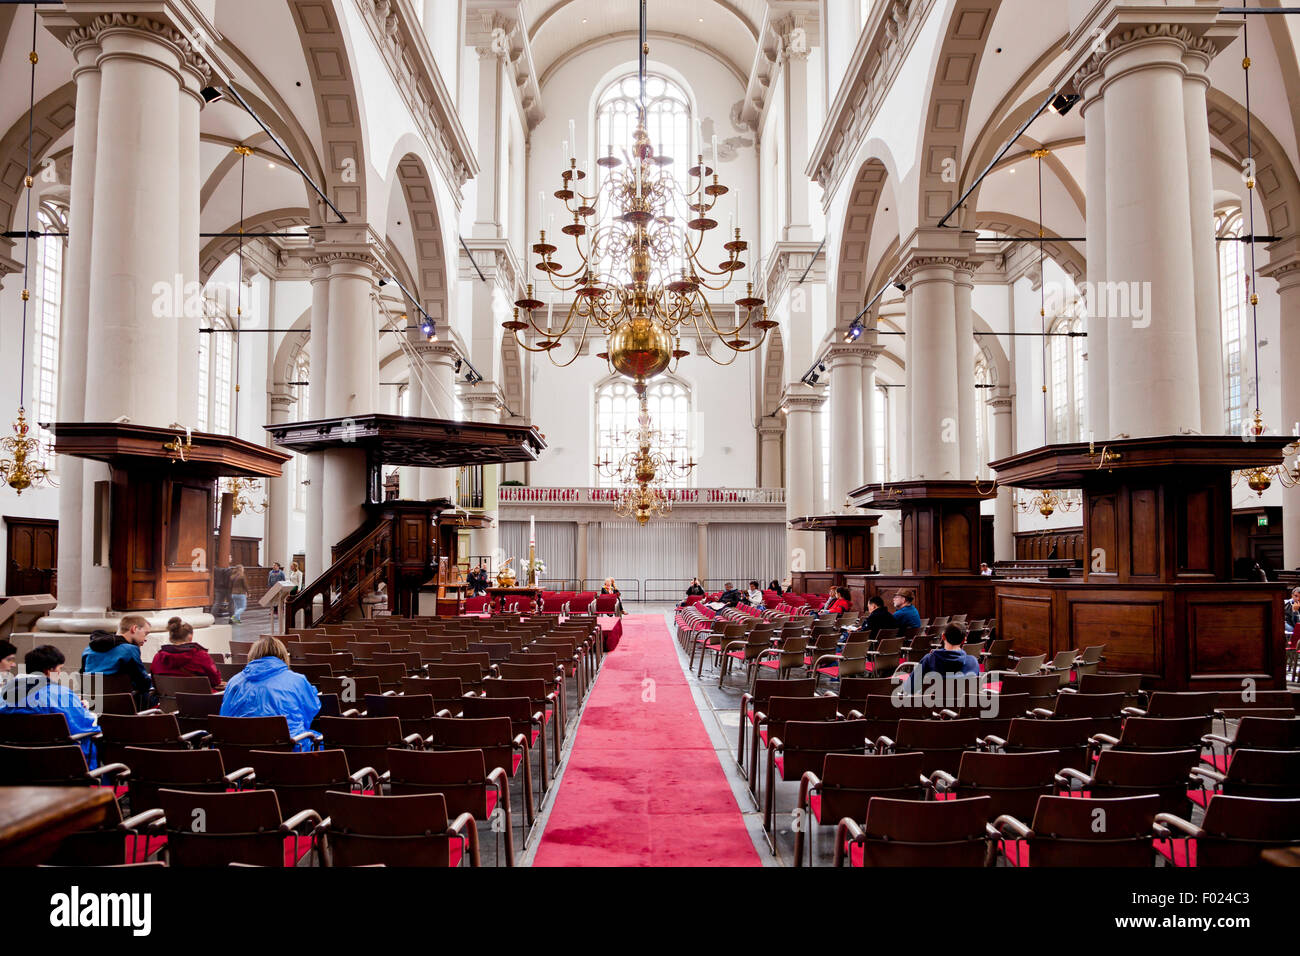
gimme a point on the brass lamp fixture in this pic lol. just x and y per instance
(244, 491)
(639, 278)
(23, 465)
(1259, 480)
(1048, 501)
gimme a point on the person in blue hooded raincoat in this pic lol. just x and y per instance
(267, 687)
(38, 692)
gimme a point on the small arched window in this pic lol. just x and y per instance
(617, 409)
(1232, 312)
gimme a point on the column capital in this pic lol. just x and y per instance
(483, 399)
(188, 36)
(8, 264)
(1283, 263)
(343, 246)
(771, 428)
(1121, 25)
(799, 397)
(281, 400)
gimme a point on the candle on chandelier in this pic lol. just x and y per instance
(541, 207)
(573, 136)
(532, 536)
(550, 306)
(715, 152)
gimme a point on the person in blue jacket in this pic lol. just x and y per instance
(110, 653)
(267, 687)
(905, 612)
(947, 661)
(38, 692)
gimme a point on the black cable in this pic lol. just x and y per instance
(1250, 200)
(27, 219)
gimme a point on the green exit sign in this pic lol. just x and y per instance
(1261, 521)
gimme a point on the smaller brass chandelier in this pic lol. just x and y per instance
(643, 501)
(1049, 501)
(1259, 480)
(23, 467)
(244, 491)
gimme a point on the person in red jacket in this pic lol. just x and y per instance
(181, 657)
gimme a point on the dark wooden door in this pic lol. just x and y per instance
(32, 556)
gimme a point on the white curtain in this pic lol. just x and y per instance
(741, 553)
(665, 553)
(557, 545)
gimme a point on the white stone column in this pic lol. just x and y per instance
(1204, 266)
(318, 348)
(1284, 267)
(797, 35)
(967, 400)
(1093, 109)
(1153, 366)
(81, 585)
(483, 404)
(934, 411)
(870, 399)
(800, 403)
(433, 380)
(847, 426)
(1004, 513)
(137, 206)
(488, 215)
(770, 432)
(195, 77)
(279, 491)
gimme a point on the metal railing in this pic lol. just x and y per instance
(525, 494)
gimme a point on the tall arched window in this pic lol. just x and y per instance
(216, 381)
(1066, 379)
(667, 122)
(617, 408)
(1232, 311)
(48, 310)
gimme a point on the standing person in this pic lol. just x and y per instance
(266, 688)
(295, 577)
(38, 692)
(275, 575)
(905, 612)
(119, 653)
(238, 593)
(878, 619)
(985, 570)
(181, 657)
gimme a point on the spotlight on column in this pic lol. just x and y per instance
(1062, 103)
(854, 330)
(900, 286)
(384, 281)
(211, 94)
(457, 366)
(429, 329)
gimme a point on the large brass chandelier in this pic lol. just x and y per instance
(643, 501)
(638, 278)
(245, 492)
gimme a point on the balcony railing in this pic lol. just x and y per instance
(515, 494)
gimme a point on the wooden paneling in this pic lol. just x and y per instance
(958, 540)
(1228, 639)
(1194, 531)
(1101, 534)
(32, 554)
(1056, 544)
(161, 540)
(1144, 538)
(1026, 618)
(1130, 625)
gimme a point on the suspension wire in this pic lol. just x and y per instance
(1250, 210)
(27, 218)
(239, 280)
(1042, 284)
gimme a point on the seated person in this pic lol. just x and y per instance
(181, 657)
(609, 587)
(985, 570)
(878, 619)
(8, 659)
(905, 612)
(1291, 610)
(754, 596)
(695, 589)
(775, 585)
(266, 687)
(949, 660)
(38, 692)
(841, 602)
(119, 653)
(729, 596)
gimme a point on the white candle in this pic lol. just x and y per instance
(541, 207)
(532, 537)
(715, 152)
(187, 434)
(699, 136)
(564, 148)
(573, 137)
(550, 306)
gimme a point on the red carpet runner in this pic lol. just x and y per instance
(643, 786)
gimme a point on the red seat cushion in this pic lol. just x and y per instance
(829, 671)
(295, 848)
(514, 766)
(138, 849)
(815, 805)
(1177, 852)
(1016, 852)
(1220, 762)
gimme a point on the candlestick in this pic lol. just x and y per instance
(541, 207)
(573, 136)
(715, 152)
